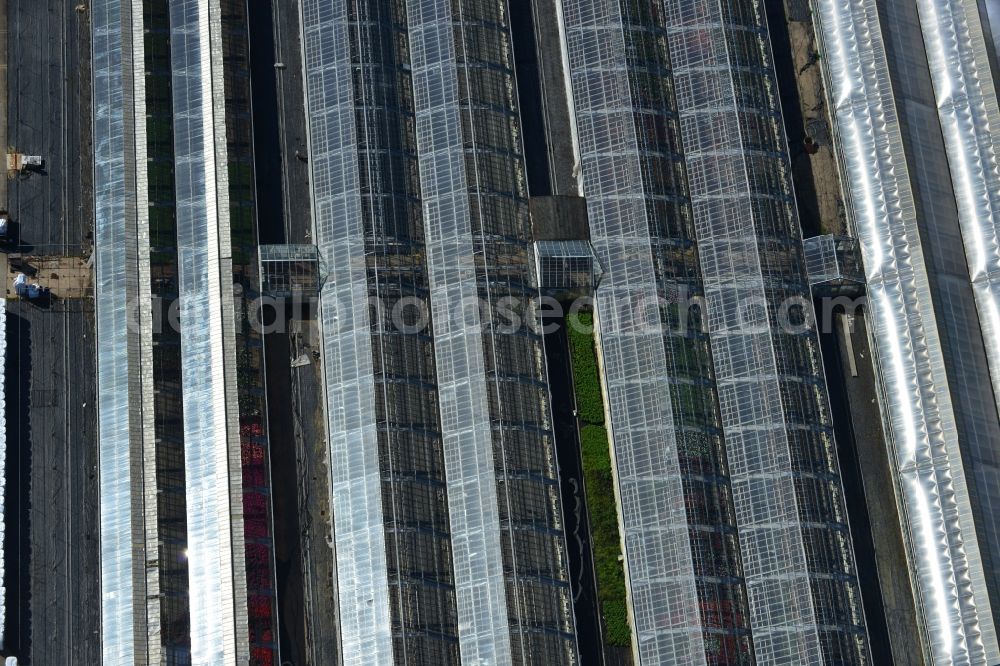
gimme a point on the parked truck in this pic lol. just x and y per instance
(30, 290)
(21, 163)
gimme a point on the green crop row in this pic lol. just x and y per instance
(599, 482)
(589, 403)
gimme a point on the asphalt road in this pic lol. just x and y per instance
(319, 569)
(576, 517)
(46, 116)
(869, 495)
(54, 435)
(292, 121)
(58, 605)
(279, 123)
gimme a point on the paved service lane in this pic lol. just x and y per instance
(58, 462)
(49, 115)
(48, 75)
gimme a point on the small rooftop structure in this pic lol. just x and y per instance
(833, 264)
(565, 263)
(567, 266)
(289, 271)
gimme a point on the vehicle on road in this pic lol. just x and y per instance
(30, 290)
(21, 164)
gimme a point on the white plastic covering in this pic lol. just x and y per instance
(215, 556)
(118, 585)
(915, 400)
(119, 261)
(969, 115)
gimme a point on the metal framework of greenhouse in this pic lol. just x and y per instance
(446, 509)
(687, 179)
